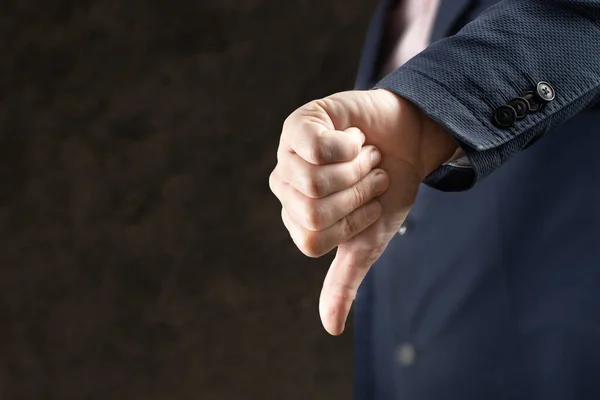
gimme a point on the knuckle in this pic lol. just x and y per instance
(287, 223)
(289, 120)
(319, 151)
(271, 179)
(341, 290)
(320, 105)
(360, 169)
(313, 215)
(351, 226)
(304, 179)
(314, 184)
(273, 182)
(312, 188)
(310, 245)
(360, 194)
(319, 108)
(364, 260)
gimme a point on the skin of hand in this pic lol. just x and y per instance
(348, 171)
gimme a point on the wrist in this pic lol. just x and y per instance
(415, 138)
(437, 146)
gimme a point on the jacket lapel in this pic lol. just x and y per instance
(366, 77)
(449, 12)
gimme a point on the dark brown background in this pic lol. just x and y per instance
(141, 253)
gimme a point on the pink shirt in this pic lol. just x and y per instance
(410, 30)
(411, 25)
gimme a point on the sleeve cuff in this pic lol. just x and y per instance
(478, 138)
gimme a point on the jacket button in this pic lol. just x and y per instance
(534, 104)
(521, 107)
(406, 355)
(402, 230)
(545, 92)
(505, 116)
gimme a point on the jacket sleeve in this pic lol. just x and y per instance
(463, 80)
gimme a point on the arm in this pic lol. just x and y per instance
(462, 80)
(445, 97)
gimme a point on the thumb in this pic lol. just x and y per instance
(353, 260)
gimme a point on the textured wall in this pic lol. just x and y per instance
(141, 252)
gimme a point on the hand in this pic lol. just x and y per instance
(349, 167)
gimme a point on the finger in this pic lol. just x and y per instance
(320, 214)
(320, 181)
(347, 271)
(320, 146)
(315, 244)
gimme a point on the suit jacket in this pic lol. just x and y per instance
(491, 290)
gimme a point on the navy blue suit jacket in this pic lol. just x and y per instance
(492, 289)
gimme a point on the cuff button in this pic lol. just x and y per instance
(545, 92)
(505, 116)
(521, 106)
(534, 104)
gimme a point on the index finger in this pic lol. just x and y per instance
(319, 143)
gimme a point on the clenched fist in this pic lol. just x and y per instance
(349, 167)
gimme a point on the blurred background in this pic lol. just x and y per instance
(142, 255)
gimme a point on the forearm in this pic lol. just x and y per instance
(461, 81)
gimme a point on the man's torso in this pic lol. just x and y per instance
(492, 293)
